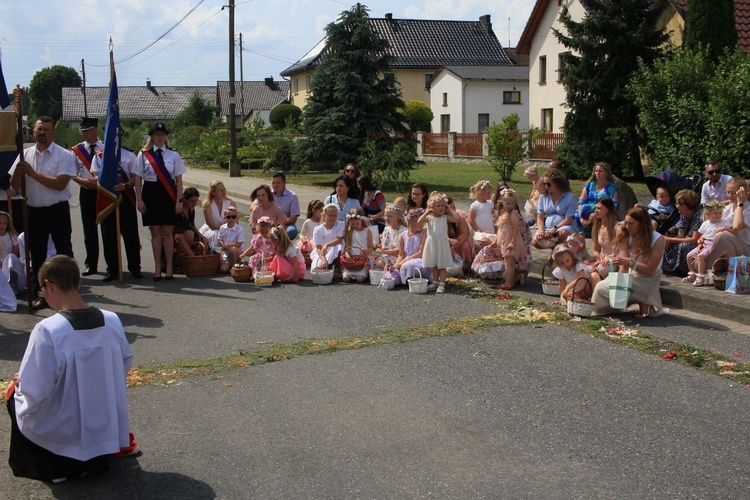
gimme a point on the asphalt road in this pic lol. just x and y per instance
(514, 412)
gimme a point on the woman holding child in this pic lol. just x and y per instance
(641, 250)
(688, 204)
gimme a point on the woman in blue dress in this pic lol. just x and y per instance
(600, 185)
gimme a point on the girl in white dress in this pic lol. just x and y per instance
(387, 249)
(568, 270)
(313, 220)
(10, 263)
(481, 218)
(358, 241)
(437, 249)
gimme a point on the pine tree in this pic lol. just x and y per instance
(602, 122)
(354, 97)
(711, 23)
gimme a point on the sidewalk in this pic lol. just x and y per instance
(675, 294)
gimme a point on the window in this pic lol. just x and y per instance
(511, 97)
(484, 122)
(427, 78)
(296, 85)
(562, 66)
(542, 70)
(445, 98)
(547, 120)
(445, 123)
(309, 81)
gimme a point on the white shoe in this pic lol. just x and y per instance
(432, 286)
(440, 288)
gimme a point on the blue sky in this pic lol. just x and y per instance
(196, 52)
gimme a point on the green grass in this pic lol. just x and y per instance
(455, 179)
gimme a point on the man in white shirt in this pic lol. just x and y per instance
(75, 366)
(48, 169)
(715, 188)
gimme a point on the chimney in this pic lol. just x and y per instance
(270, 83)
(389, 17)
(485, 20)
(148, 83)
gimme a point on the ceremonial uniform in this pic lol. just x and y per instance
(160, 206)
(84, 154)
(128, 220)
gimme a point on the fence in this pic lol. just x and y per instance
(546, 146)
(453, 146)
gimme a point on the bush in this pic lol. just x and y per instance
(283, 115)
(507, 146)
(418, 116)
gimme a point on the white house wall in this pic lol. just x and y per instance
(447, 83)
(549, 95)
(467, 99)
(487, 97)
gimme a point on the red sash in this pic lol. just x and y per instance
(83, 154)
(162, 173)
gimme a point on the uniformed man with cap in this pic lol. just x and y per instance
(84, 154)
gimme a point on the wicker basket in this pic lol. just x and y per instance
(581, 307)
(376, 276)
(353, 262)
(263, 278)
(201, 265)
(322, 276)
(720, 280)
(549, 285)
(418, 285)
(241, 273)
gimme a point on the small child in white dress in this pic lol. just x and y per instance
(696, 258)
(481, 218)
(327, 239)
(387, 250)
(357, 242)
(568, 270)
(313, 220)
(437, 249)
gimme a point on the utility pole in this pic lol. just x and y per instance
(234, 164)
(242, 84)
(83, 73)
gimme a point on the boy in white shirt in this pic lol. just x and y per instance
(231, 239)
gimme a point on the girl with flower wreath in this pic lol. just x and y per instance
(509, 255)
(568, 270)
(357, 242)
(481, 217)
(386, 251)
(288, 264)
(437, 248)
(410, 248)
(262, 246)
(327, 239)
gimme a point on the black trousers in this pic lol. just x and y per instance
(129, 231)
(28, 459)
(45, 222)
(87, 199)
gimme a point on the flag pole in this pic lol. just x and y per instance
(18, 93)
(117, 206)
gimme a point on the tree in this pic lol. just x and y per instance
(605, 49)
(354, 97)
(711, 23)
(198, 112)
(418, 116)
(507, 145)
(284, 114)
(693, 110)
(45, 90)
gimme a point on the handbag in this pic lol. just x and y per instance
(620, 288)
(738, 275)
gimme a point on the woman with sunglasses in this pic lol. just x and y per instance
(352, 173)
(555, 212)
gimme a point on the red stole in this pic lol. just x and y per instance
(162, 173)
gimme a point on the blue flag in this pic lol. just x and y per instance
(8, 152)
(109, 173)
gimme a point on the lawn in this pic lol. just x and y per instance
(455, 179)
